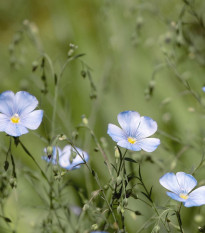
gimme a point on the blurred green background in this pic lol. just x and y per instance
(141, 54)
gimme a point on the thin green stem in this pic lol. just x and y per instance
(31, 156)
(179, 218)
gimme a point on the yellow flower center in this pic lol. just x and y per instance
(183, 196)
(131, 140)
(15, 118)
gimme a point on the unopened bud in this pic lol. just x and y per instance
(156, 229)
(84, 120)
(117, 153)
(35, 65)
(49, 150)
(86, 207)
(74, 135)
(173, 164)
(62, 137)
(198, 218)
(12, 182)
(11, 48)
(104, 142)
(55, 169)
(94, 227)
(83, 73)
(139, 22)
(70, 52)
(118, 209)
(125, 202)
(118, 180)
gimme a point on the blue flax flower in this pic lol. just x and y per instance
(67, 158)
(180, 186)
(99, 232)
(203, 88)
(134, 132)
(17, 113)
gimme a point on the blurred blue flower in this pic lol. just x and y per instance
(180, 186)
(134, 132)
(99, 232)
(203, 88)
(17, 113)
(67, 158)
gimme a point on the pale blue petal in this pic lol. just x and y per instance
(203, 89)
(7, 103)
(129, 121)
(129, 146)
(196, 198)
(64, 159)
(4, 120)
(15, 130)
(33, 119)
(53, 158)
(146, 128)
(169, 181)
(116, 133)
(24, 103)
(149, 144)
(186, 181)
(47, 159)
(99, 232)
(175, 197)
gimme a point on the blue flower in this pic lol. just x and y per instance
(134, 132)
(68, 158)
(99, 232)
(17, 113)
(180, 186)
(203, 89)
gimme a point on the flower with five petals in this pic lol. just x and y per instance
(17, 113)
(181, 186)
(68, 158)
(135, 132)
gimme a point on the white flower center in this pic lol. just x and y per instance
(131, 140)
(15, 118)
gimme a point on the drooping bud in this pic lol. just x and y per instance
(117, 153)
(94, 227)
(49, 151)
(84, 120)
(125, 202)
(118, 180)
(86, 207)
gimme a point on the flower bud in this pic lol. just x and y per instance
(156, 229)
(104, 142)
(49, 150)
(34, 65)
(83, 73)
(84, 120)
(125, 202)
(74, 135)
(12, 182)
(55, 169)
(70, 52)
(198, 218)
(62, 137)
(86, 207)
(94, 227)
(118, 180)
(118, 209)
(117, 153)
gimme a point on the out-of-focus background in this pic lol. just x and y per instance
(146, 56)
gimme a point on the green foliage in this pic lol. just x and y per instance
(86, 61)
